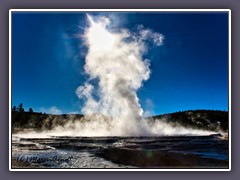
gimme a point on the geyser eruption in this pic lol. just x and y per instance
(116, 69)
(115, 61)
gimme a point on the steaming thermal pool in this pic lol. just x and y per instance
(120, 152)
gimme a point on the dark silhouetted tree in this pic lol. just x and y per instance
(14, 109)
(20, 108)
(30, 110)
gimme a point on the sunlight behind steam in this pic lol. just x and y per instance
(98, 37)
(115, 60)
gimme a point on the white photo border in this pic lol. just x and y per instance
(118, 10)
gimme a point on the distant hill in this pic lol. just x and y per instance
(197, 119)
(40, 121)
(214, 120)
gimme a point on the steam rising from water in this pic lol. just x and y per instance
(96, 128)
(115, 61)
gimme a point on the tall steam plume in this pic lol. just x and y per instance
(115, 61)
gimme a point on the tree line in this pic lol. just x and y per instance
(200, 119)
(21, 109)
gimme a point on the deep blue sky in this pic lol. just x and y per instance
(190, 70)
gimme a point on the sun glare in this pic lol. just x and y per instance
(98, 36)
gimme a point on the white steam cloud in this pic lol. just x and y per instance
(115, 61)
